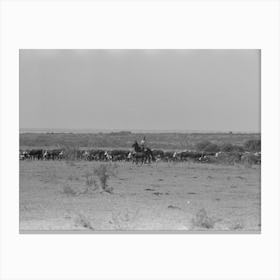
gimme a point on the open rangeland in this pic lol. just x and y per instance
(71, 195)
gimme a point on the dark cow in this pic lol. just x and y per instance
(119, 155)
(189, 155)
(98, 155)
(36, 154)
(168, 156)
(158, 154)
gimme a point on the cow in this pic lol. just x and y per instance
(251, 158)
(85, 155)
(129, 156)
(36, 154)
(56, 154)
(119, 155)
(158, 154)
(23, 155)
(168, 156)
(108, 156)
(190, 155)
(98, 155)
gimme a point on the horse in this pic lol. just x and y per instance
(144, 155)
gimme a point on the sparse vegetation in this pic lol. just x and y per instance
(202, 220)
(233, 191)
(230, 148)
(123, 220)
(83, 221)
(69, 190)
(124, 140)
(253, 145)
(180, 183)
(103, 173)
(207, 146)
(237, 226)
(70, 152)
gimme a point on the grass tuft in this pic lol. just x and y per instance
(103, 173)
(69, 191)
(82, 220)
(202, 220)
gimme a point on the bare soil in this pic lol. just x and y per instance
(58, 195)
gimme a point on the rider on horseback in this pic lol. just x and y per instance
(142, 152)
(143, 143)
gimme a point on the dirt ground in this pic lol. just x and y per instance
(185, 196)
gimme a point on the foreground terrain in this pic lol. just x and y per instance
(68, 195)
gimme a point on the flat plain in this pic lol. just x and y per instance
(162, 196)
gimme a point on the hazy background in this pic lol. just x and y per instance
(185, 90)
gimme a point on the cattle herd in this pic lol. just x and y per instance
(127, 155)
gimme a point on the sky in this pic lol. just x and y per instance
(164, 90)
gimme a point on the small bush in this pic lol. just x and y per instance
(202, 220)
(70, 153)
(237, 226)
(211, 148)
(249, 159)
(226, 147)
(207, 146)
(90, 182)
(123, 220)
(200, 146)
(103, 173)
(82, 220)
(253, 145)
(68, 190)
(229, 158)
(229, 148)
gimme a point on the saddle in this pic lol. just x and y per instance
(144, 149)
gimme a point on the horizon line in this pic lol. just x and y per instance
(109, 130)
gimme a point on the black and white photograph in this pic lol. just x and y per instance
(140, 140)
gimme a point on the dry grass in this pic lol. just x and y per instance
(103, 173)
(237, 226)
(83, 221)
(68, 190)
(91, 181)
(123, 220)
(202, 220)
(108, 140)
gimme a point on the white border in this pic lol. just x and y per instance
(155, 24)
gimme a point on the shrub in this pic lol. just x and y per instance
(82, 220)
(237, 226)
(202, 220)
(211, 148)
(226, 147)
(238, 149)
(207, 146)
(68, 190)
(253, 145)
(249, 159)
(229, 148)
(90, 181)
(200, 146)
(70, 152)
(103, 172)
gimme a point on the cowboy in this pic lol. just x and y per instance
(143, 143)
